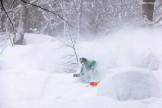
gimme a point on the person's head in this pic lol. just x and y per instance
(83, 60)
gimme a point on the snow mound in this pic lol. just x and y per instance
(42, 57)
(129, 86)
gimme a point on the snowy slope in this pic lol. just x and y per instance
(33, 74)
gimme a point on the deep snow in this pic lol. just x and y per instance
(33, 74)
(130, 85)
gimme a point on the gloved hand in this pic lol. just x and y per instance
(87, 68)
(82, 74)
(76, 75)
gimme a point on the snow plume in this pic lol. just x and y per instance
(127, 47)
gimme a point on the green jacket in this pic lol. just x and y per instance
(90, 65)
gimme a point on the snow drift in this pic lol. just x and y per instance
(130, 86)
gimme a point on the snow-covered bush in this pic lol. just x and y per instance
(129, 86)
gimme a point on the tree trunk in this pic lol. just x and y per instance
(2, 18)
(79, 17)
(148, 9)
(21, 28)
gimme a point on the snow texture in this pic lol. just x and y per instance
(129, 86)
(32, 75)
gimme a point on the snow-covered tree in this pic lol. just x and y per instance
(75, 17)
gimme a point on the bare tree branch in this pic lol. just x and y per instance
(3, 9)
(40, 7)
(158, 7)
(74, 49)
(48, 3)
(158, 20)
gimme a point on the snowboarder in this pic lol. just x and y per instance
(88, 72)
